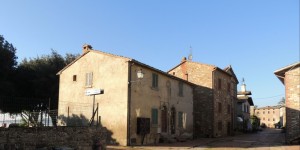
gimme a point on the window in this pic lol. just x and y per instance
(245, 108)
(180, 86)
(264, 118)
(154, 117)
(89, 79)
(220, 125)
(273, 112)
(228, 109)
(268, 112)
(273, 119)
(228, 88)
(219, 84)
(154, 80)
(180, 119)
(263, 112)
(219, 107)
(257, 112)
(268, 119)
(74, 78)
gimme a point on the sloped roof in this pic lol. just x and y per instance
(280, 73)
(212, 66)
(96, 51)
(126, 59)
(230, 71)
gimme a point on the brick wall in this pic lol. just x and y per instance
(292, 87)
(80, 138)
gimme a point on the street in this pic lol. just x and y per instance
(268, 139)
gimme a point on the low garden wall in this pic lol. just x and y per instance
(44, 138)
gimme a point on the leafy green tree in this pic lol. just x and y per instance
(8, 63)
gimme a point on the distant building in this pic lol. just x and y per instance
(133, 110)
(290, 77)
(214, 97)
(244, 104)
(271, 116)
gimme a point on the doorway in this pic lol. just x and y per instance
(164, 113)
(173, 120)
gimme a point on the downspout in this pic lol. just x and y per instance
(213, 101)
(129, 103)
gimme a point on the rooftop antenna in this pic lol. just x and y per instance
(190, 58)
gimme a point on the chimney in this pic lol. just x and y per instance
(183, 59)
(86, 48)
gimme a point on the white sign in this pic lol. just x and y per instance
(89, 92)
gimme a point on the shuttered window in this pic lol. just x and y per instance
(89, 79)
(180, 86)
(180, 119)
(154, 116)
(154, 80)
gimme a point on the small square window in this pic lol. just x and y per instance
(220, 107)
(74, 78)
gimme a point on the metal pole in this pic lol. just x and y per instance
(49, 111)
(93, 109)
(68, 116)
(97, 113)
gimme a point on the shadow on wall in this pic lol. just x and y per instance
(292, 126)
(82, 121)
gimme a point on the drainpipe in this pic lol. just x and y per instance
(129, 103)
(213, 102)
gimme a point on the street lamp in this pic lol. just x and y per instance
(140, 74)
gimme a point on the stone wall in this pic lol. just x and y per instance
(79, 138)
(292, 87)
(207, 96)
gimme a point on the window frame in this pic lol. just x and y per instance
(219, 107)
(154, 116)
(155, 80)
(74, 78)
(180, 89)
(219, 83)
(89, 79)
(180, 119)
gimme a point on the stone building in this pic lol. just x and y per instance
(243, 104)
(290, 77)
(135, 109)
(271, 116)
(214, 97)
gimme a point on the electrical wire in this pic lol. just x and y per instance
(268, 97)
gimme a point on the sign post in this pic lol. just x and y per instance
(93, 92)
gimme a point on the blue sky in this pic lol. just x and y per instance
(256, 37)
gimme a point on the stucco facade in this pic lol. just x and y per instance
(271, 115)
(126, 98)
(214, 97)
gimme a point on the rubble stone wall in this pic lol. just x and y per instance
(80, 138)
